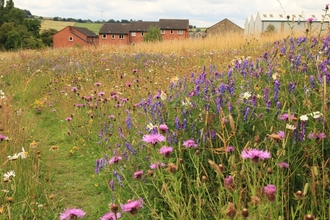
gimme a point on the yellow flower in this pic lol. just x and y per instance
(33, 144)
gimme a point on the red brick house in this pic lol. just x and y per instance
(129, 33)
(75, 36)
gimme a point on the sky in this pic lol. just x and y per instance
(201, 13)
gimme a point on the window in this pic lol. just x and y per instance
(142, 33)
(180, 31)
(171, 31)
(104, 36)
(112, 36)
(121, 36)
(70, 38)
(133, 34)
(162, 31)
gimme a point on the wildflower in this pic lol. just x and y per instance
(283, 165)
(270, 191)
(163, 96)
(101, 94)
(255, 155)
(115, 159)
(111, 216)
(72, 214)
(245, 95)
(229, 183)
(153, 138)
(14, 157)
(231, 211)
(138, 174)
(3, 138)
(150, 126)
(290, 127)
(166, 151)
(303, 118)
(132, 206)
(189, 143)
(9, 174)
(230, 149)
(320, 135)
(158, 165)
(316, 114)
(23, 154)
(310, 20)
(286, 117)
(97, 84)
(74, 89)
(68, 119)
(172, 168)
(326, 7)
(163, 127)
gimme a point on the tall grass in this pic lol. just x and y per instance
(83, 116)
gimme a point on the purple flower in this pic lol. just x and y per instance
(101, 94)
(283, 165)
(74, 89)
(3, 137)
(281, 134)
(163, 127)
(255, 155)
(166, 151)
(72, 214)
(111, 216)
(270, 191)
(68, 119)
(286, 116)
(229, 183)
(310, 20)
(97, 84)
(230, 149)
(132, 206)
(153, 138)
(115, 159)
(320, 135)
(138, 174)
(158, 165)
(189, 143)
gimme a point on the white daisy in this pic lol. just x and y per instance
(23, 154)
(290, 127)
(303, 118)
(14, 157)
(10, 174)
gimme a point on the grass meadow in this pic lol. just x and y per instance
(224, 127)
(57, 25)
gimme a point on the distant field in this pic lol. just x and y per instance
(57, 25)
(95, 27)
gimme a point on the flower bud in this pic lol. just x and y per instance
(114, 208)
(309, 217)
(245, 213)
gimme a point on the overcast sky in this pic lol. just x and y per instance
(202, 13)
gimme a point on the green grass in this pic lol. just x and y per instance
(95, 27)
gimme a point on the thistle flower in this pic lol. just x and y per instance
(189, 143)
(72, 214)
(166, 151)
(138, 174)
(270, 191)
(255, 155)
(115, 159)
(153, 138)
(283, 165)
(3, 137)
(229, 183)
(111, 216)
(132, 206)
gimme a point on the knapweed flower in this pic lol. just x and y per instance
(255, 155)
(3, 137)
(115, 159)
(189, 143)
(138, 174)
(229, 183)
(111, 216)
(157, 165)
(230, 149)
(68, 119)
(283, 165)
(163, 127)
(270, 191)
(72, 214)
(9, 174)
(132, 206)
(285, 116)
(310, 20)
(166, 151)
(74, 89)
(97, 84)
(153, 138)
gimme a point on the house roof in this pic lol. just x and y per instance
(142, 25)
(163, 24)
(223, 21)
(85, 31)
(174, 24)
(115, 28)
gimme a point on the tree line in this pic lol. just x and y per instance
(19, 30)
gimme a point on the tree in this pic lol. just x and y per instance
(33, 26)
(9, 5)
(270, 29)
(153, 35)
(47, 36)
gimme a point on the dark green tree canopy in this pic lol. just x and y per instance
(153, 35)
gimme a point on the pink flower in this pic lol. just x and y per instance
(97, 84)
(74, 89)
(158, 165)
(230, 149)
(166, 151)
(132, 206)
(111, 216)
(115, 159)
(283, 165)
(163, 127)
(153, 138)
(229, 183)
(255, 155)
(3, 137)
(68, 119)
(189, 143)
(101, 94)
(310, 20)
(286, 116)
(138, 174)
(270, 191)
(72, 214)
